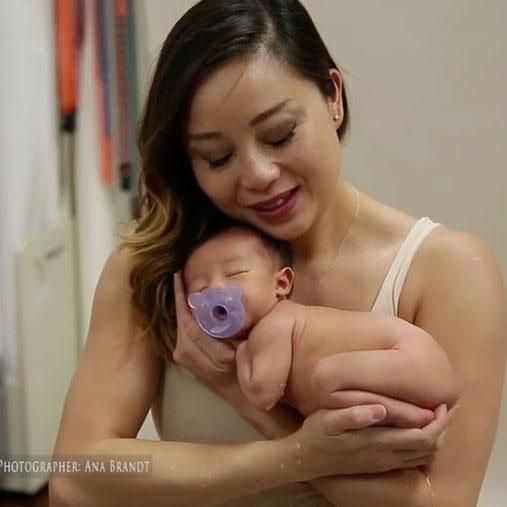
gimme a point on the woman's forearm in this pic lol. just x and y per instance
(398, 488)
(182, 474)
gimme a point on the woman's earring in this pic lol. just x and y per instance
(336, 117)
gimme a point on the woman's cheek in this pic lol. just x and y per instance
(224, 196)
(200, 177)
(210, 185)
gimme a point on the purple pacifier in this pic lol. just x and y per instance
(219, 312)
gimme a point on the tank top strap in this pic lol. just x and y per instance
(388, 297)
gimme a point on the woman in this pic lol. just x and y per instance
(244, 119)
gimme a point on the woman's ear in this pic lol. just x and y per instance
(335, 100)
(284, 280)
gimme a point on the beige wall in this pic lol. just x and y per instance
(427, 86)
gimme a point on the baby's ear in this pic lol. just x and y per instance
(284, 279)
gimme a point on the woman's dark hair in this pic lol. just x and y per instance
(175, 213)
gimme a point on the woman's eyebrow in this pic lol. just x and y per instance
(199, 136)
(269, 112)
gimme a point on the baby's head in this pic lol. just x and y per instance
(239, 255)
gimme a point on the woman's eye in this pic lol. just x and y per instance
(284, 140)
(219, 162)
(214, 164)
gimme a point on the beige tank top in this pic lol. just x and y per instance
(185, 410)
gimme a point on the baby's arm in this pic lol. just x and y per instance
(264, 360)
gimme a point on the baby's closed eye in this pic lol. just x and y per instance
(235, 273)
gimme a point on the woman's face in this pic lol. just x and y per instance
(263, 145)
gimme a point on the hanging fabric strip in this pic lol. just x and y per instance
(120, 25)
(133, 104)
(66, 39)
(68, 26)
(103, 89)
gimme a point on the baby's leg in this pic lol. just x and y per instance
(388, 373)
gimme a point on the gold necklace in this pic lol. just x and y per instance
(356, 213)
(347, 232)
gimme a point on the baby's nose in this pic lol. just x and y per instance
(217, 282)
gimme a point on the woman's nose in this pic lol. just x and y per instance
(259, 174)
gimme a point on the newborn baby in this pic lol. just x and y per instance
(281, 342)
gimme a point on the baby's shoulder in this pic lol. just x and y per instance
(285, 309)
(282, 315)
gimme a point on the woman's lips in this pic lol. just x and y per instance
(277, 208)
(274, 202)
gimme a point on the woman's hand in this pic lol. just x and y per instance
(399, 413)
(210, 360)
(326, 445)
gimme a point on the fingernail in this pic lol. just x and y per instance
(377, 413)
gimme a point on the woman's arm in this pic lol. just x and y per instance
(463, 306)
(396, 488)
(181, 474)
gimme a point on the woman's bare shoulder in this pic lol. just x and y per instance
(452, 264)
(449, 249)
(447, 256)
(118, 266)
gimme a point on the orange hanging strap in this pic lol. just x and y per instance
(66, 44)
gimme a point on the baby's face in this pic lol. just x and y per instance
(236, 257)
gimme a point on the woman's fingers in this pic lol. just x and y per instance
(192, 342)
(182, 308)
(415, 463)
(429, 438)
(341, 442)
(187, 350)
(436, 430)
(399, 413)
